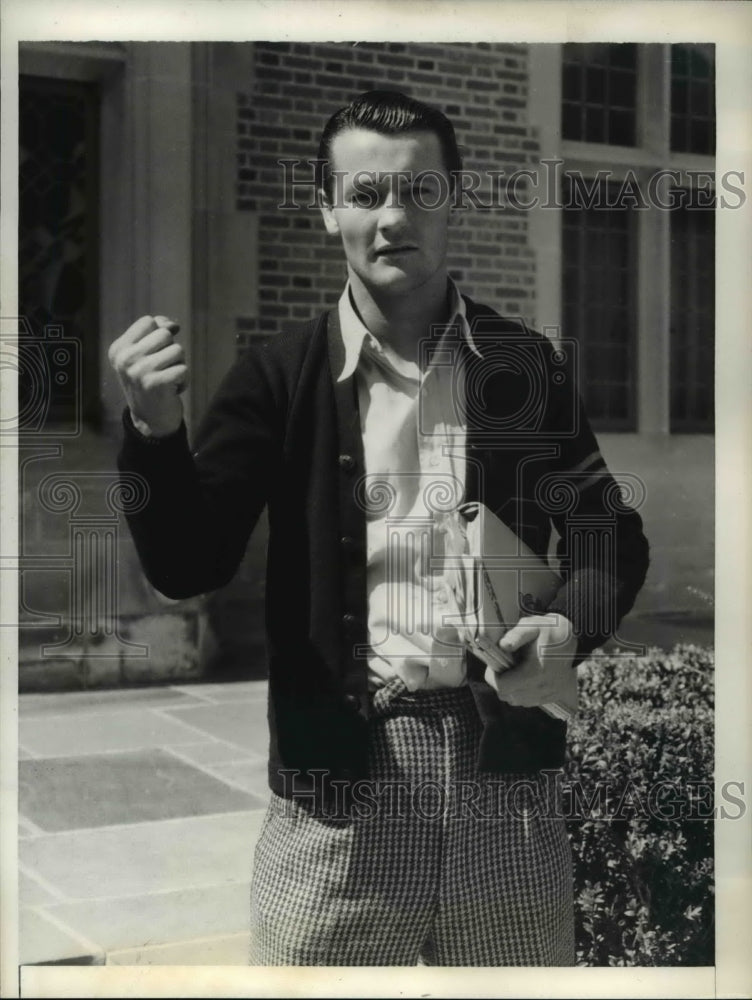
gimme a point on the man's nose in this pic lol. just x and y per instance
(393, 214)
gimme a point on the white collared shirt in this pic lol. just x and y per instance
(414, 448)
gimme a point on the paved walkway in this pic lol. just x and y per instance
(139, 813)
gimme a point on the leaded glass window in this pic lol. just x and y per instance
(599, 93)
(692, 318)
(693, 99)
(599, 298)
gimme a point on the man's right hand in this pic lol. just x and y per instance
(152, 371)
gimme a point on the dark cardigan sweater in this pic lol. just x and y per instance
(282, 432)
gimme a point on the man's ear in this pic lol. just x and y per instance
(327, 213)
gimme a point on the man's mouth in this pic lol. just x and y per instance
(393, 251)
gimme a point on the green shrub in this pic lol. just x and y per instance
(644, 869)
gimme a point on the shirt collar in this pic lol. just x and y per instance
(355, 332)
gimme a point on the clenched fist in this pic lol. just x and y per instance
(152, 371)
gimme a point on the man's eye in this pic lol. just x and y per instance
(364, 198)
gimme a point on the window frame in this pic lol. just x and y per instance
(651, 153)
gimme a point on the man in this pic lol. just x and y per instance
(409, 819)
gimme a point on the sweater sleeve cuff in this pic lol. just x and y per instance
(135, 437)
(588, 601)
(156, 454)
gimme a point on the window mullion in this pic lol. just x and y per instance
(654, 101)
(653, 279)
(653, 321)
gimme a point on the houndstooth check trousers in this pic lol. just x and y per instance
(446, 866)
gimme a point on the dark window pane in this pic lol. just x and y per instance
(618, 402)
(595, 126)
(693, 98)
(610, 361)
(679, 60)
(596, 395)
(623, 55)
(699, 98)
(621, 128)
(595, 86)
(58, 253)
(699, 64)
(700, 136)
(572, 83)
(622, 89)
(577, 53)
(601, 77)
(594, 53)
(692, 319)
(599, 302)
(678, 133)
(571, 127)
(679, 96)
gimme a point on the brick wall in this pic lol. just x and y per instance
(482, 88)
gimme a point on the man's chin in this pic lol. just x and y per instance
(397, 281)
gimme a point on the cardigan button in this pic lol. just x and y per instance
(346, 463)
(349, 620)
(352, 701)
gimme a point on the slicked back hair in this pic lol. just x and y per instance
(387, 112)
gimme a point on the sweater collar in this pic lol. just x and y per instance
(354, 332)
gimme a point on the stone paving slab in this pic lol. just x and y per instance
(64, 736)
(65, 793)
(230, 950)
(43, 940)
(249, 775)
(90, 702)
(31, 892)
(213, 752)
(243, 723)
(27, 829)
(140, 813)
(145, 857)
(159, 918)
(250, 690)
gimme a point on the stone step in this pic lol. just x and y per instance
(172, 646)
